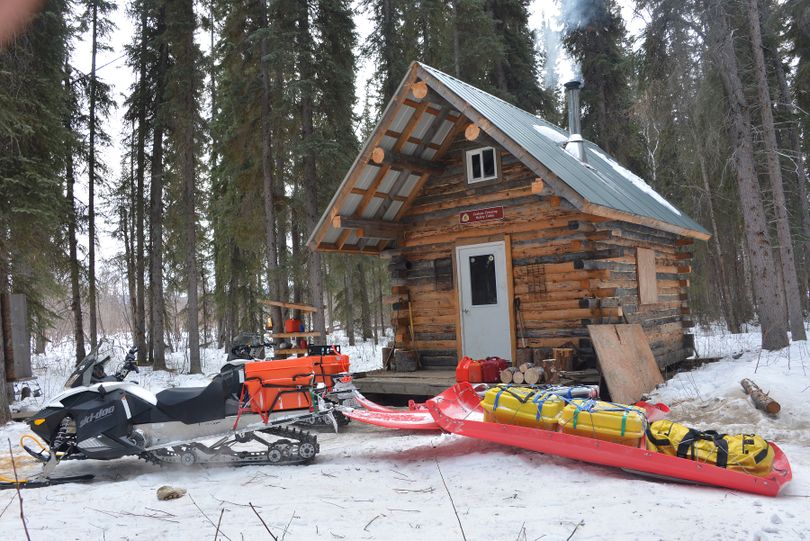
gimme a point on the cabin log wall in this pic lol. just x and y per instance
(570, 269)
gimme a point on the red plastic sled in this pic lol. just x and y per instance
(457, 410)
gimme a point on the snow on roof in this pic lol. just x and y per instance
(550, 133)
(636, 180)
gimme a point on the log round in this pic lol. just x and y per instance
(472, 132)
(760, 399)
(533, 375)
(378, 155)
(419, 90)
(507, 373)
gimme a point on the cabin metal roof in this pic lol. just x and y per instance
(424, 128)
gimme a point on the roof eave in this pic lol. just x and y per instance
(607, 212)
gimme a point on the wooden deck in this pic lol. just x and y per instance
(419, 383)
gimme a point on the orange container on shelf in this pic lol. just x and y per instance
(292, 325)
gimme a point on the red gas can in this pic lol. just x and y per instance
(476, 372)
(463, 370)
(491, 368)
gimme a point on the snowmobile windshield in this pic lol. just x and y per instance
(83, 374)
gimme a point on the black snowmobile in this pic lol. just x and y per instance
(105, 417)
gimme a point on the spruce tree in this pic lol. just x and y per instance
(33, 108)
(184, 86)
(97, 18)
(595, 37)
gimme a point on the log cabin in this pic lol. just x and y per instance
(505, 232)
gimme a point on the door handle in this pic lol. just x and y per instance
(466, 310)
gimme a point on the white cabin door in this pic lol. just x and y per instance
(485, 329)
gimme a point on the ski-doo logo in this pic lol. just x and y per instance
(95, 416)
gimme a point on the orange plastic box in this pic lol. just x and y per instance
(280, 385)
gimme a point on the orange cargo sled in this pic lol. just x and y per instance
(289, 384)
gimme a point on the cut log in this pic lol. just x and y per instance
(525, 366)
(506, 374)
(517, 377)
(472, 132)
(524, 355)
(533, 375)
(550, 369)
(760, 399)
(419, 89)
(565, 358)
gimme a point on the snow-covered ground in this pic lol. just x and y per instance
(370, 483)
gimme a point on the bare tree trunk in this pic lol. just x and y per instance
(797, 158)
(129, 257)
(365, 308)
(157, 304)
(792, 295)
(380, 301)
(205, 311)
(184, 81)
(268, 188)
(765, 279)
(310, 178)
(5, 412)
(282, 212)
(91, 190)
(140, 315)
(348, 284)
(729, 314)
(75, 288)
(456, 46)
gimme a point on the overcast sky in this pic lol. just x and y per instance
(113, 70)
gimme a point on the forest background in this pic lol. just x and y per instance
(166, 187)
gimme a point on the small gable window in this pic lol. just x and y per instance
(482, 164)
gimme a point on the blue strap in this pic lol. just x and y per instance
(497, 398)
(539, 400)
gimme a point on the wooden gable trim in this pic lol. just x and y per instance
(362, 158)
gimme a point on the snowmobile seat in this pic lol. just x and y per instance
(194, 404)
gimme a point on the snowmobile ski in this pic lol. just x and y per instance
(39, 483)
(457, 410)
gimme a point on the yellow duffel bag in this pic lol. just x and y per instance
(617, 423)
(747, 453)
(522, 406)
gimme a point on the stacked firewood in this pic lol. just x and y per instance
(541, 371)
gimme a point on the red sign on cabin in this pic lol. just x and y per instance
(480, 215)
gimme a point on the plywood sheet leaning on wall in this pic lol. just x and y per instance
(625, 360)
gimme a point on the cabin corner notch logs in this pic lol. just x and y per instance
(569, 268)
